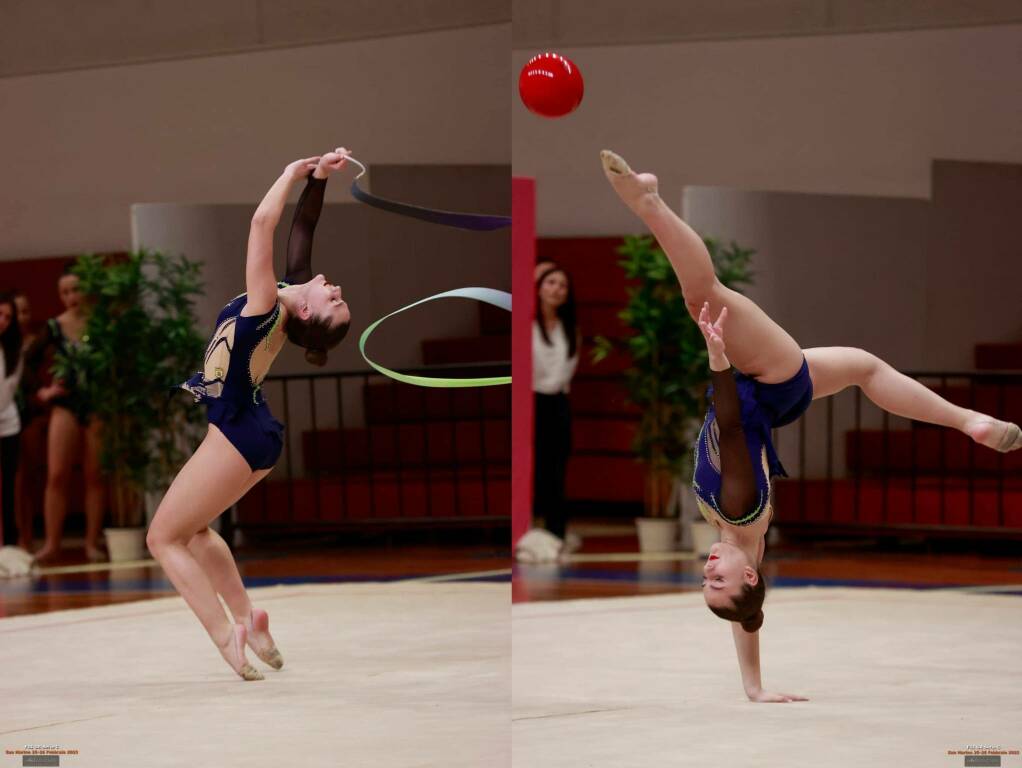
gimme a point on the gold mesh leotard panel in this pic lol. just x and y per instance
(218, 357)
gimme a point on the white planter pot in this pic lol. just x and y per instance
(704, 536)
(657, 534)
(126, 544)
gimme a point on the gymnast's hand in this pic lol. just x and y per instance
(299, 169)
(763, 697)
(713, 333)
(332, 162)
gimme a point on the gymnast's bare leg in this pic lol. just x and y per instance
(212, 479)
(213, 554)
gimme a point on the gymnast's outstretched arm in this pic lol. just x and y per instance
(260, 281)
(303, 225)
(738, 490)
(747, 645)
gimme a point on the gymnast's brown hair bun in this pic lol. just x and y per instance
(753, 624)
(316, 356)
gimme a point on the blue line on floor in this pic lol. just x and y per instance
(691, 579)
(49, 585)
(496, 578)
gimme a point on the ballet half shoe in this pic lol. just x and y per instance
(614, 163)
(248, 672)
(260, 621)
(271, 657)
(1011, 439)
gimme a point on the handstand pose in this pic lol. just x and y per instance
(774, 384)
(244, 440)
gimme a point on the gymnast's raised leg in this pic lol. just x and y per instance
(760, 348)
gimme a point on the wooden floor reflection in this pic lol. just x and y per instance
(260, 565)
(791, 563)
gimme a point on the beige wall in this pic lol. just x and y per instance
(105, 32)
(860, 114)
(81, 147)
(917, 282)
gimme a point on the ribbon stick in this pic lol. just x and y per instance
(501, 299)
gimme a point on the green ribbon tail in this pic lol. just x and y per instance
(492, 296)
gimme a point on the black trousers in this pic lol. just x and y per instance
(9, 450)
(552, 448)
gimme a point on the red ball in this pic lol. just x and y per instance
(550, 85)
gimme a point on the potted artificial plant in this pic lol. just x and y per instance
(140, 341)
(668, 375)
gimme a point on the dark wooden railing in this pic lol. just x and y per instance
(856, 468)
(362, 451)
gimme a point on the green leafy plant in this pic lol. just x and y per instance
(669, 370)
(140, 341)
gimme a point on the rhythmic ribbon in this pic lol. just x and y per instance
(476, 221)
(492, 296)
(501, 299)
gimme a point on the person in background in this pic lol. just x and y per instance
(556, 342)
(543, 265)
(10, 423)
(72, 430)
(24, 312)
(32, 448)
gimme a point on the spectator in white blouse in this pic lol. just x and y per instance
(555, 350)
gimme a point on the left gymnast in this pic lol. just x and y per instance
(244, 440)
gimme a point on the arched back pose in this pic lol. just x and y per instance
(774, 384)
(244, 440)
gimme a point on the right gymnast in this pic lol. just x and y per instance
(244, 440)
(774, 385)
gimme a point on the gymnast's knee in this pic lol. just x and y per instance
(200, 537)
(158, 539)
(866, 365)
(155, 541)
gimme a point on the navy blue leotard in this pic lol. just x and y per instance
(242, 348)
(736, 433)
(237, 359)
